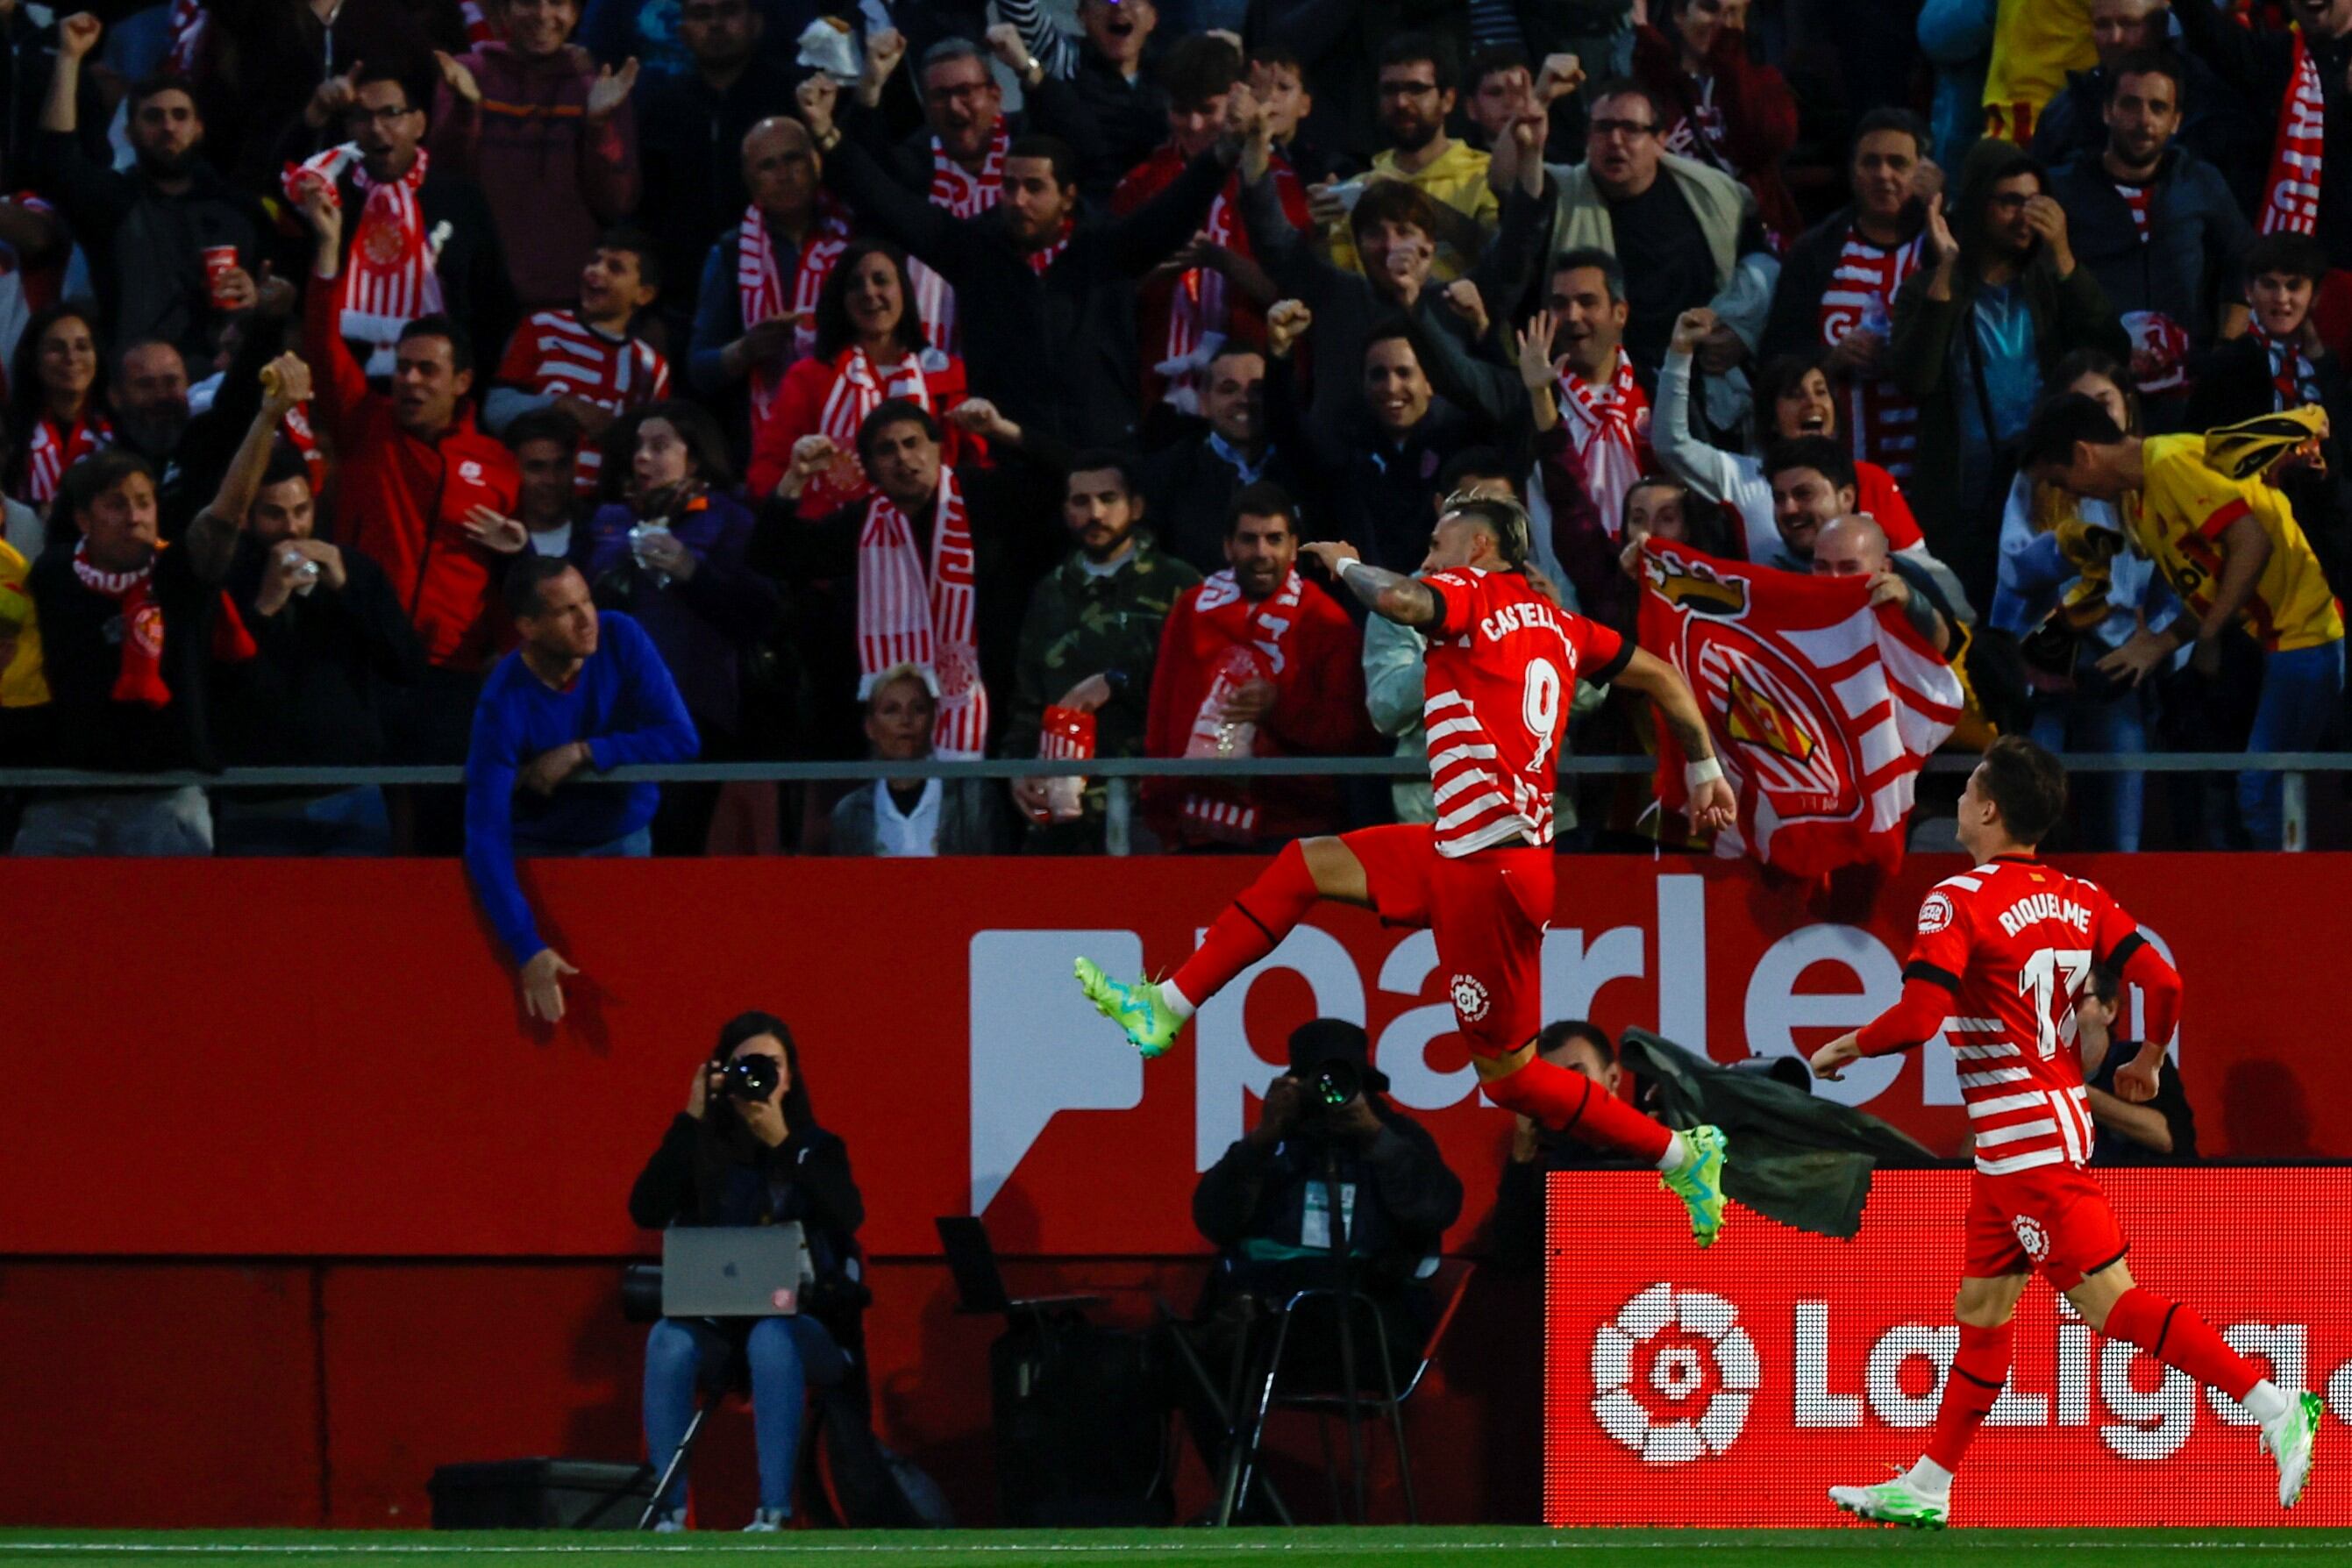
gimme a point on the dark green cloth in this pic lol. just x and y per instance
(1082, 624)
(1793, 1157)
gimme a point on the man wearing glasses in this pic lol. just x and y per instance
(1686, 235)
(427, 230)
(1419, 79)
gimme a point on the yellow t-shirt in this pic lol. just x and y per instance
(1456, 178)
(2034, 43)
(2177, 518)
(22, 684)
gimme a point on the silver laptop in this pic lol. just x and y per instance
(734, 1271)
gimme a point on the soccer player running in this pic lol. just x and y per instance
(2002, 952)
(1502, 663)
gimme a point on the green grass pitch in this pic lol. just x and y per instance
(1387, 1548)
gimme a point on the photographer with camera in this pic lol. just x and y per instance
(1335, 1188)
(748, 1151)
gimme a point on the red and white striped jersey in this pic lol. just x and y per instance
(557, 354)
(1502, 666)
(2014, 942)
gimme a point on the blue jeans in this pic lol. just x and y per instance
(2301, 689)
(785, 1355)
(2113, 804)
(348, 822)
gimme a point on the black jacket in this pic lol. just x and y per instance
(2259, 68)
(699, 1177)
(82, 653)
(2187, 268)
(1802, 1161)
(1187, 489)
(146, 249)
(1253, 1204)
(690, 149)
(2217, 123)
(311, 694)
(1338, 42)
(476, 290)
(1013, 508)
(1347, 309)
(1056, 352)
(1794, 324)
(1372, 490)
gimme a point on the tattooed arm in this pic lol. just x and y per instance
(1405, 600)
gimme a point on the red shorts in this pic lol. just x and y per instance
(1487, 911)
(2054, 1218)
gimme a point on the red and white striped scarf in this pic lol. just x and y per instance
(139, 677)
(51, 451)
(1882, 425)
(2291, 196)
(1042, 259)
(1199, 305)
(760, 284)
(296, 428)
(187, 22)
(2293, 383)
(1239, 642)
(387, 278)
(930, 619)
(965, 196)
(1610, 428)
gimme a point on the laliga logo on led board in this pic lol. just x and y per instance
(1706, 1347)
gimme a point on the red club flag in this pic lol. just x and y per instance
(1822, 706)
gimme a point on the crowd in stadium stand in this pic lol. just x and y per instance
(929, 378)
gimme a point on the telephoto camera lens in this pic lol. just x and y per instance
(752, 1078)
(1336, 1083)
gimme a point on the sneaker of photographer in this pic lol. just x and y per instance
(767, 1522)
(670, 1523)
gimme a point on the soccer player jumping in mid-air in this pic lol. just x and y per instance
(2002, 953)
(1502, 663)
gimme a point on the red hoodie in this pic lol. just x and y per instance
(403, 500)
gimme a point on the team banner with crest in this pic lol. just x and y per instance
(1821, 705)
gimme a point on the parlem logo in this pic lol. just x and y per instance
(1672, 1375)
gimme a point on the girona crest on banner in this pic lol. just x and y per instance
(1821, 705)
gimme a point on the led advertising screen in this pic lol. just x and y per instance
(1733, 1386)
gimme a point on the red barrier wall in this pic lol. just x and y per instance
(1734, 1386)
(323, 1067)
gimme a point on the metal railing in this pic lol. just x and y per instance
(1119, 772)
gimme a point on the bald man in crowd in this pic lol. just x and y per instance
(1855, 546)
(734, 362)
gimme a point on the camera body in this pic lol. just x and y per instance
(752, 1078)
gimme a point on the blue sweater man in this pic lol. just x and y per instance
(584, 690)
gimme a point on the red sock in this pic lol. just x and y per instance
(1978, 1370)
(2178, 1337)
(1570, 1102)
(1252, 926)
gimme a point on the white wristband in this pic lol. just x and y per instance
(1704, 771)
(1339, 572)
